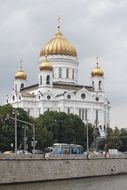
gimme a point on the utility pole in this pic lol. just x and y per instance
(24, 122)
(34, 139)
(24, 138)
(87, 136)
(15, 112)
(95, 133)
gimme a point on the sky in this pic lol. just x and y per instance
(94, 27)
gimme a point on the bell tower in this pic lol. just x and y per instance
(45, 74)
(97, 78)
(20, 79)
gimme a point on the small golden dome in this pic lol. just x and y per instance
(58, 46)
(20, 74)
(46, 65)
(97, 71)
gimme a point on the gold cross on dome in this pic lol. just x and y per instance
(20, 64)
(58, 21)
(97, 60)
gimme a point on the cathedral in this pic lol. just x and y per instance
(58, 89)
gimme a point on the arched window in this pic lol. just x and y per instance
(96, 116)
(93, 84)
(86, 114)
(60, 72)
(48, 79)
(67, 73)
(68, 110)
(19, 97)
(99, 85)
(83, 114)
(104, 128)
(100, 127)
(40, 80)
(13, 97)
(22, 86)
(73, 74)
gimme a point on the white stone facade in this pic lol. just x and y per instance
(58, 90)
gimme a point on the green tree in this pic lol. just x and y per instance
(113, 139)
(44, 138)
(7, 128)
(5, 110)
(59, 127)
(123, 137)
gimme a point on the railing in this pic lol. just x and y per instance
(62, 156)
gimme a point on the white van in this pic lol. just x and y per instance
(113, 151)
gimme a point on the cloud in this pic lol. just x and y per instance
(95, 28)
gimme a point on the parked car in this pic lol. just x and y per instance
(113, 151)
(23, 152)
(48, 149)
(8, 152)
(37, 152)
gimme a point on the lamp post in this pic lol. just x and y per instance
(95, 132)
(34, 144)
(12, 146)
(16, 113)
(87, 136)
(24, 122)
(25, 139)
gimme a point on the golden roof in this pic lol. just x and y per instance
(58, 45)
(46, 65)
(97, 71)
(20, 74)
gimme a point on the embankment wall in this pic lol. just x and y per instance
(35, 168)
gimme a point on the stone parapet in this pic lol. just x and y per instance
(32, 168)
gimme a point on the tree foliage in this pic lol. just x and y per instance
(63, 128)
(52, 127)
(7, 127)
(116, 139)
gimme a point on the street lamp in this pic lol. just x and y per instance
(96, 122)
(15, 119)
(24, 122)
(25, 138)
(34, 144)
(87, 136)
(12, 146)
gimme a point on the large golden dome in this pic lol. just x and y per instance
(46, 65)
(58, 46)
(97, 71)
(20, 74)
